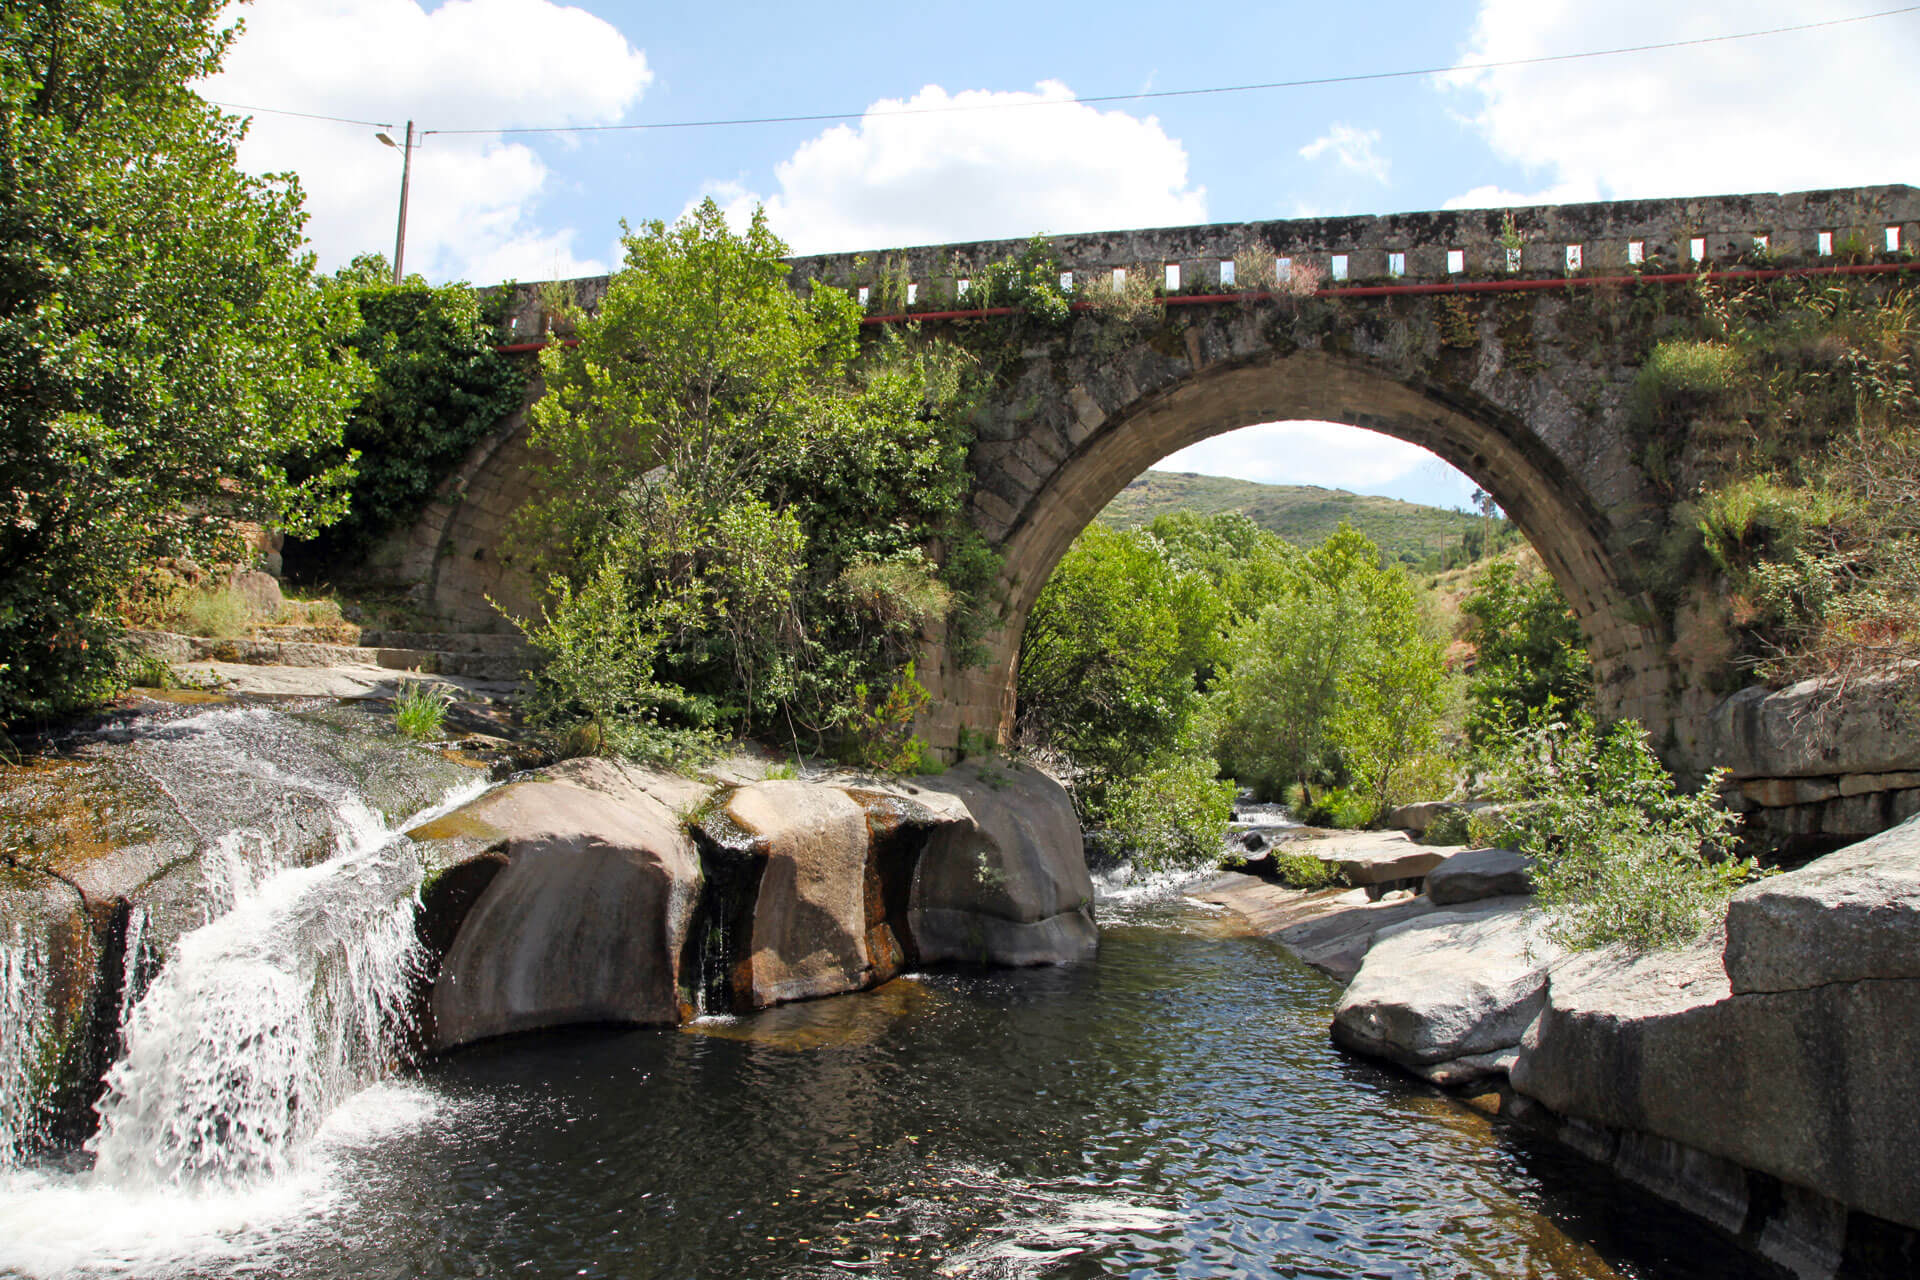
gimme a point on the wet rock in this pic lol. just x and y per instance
(1007, 884)
(810, 915)
(54, 975)
(1474, 874)
(1448, 987)
(582, 919)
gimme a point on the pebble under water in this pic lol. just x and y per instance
(1173, 1109)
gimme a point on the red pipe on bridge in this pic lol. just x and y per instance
(1386, 290)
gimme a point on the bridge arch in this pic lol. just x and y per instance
(1492, 446)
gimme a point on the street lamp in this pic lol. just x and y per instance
(406, 173)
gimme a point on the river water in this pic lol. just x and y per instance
(1172, 1109)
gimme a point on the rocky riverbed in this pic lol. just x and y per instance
(1762, 1076)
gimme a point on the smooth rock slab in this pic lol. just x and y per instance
(1815, 1087)
(1016, 859)
(1450, 985)
(1376, 857)
(586, 921)
(1475, 874)
(1851, 916)
(1336, 941)
(1763, 733)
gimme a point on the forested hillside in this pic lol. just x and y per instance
(1304, 515)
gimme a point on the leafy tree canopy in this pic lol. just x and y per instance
(438, 387)
(164, 345)
(773, 516)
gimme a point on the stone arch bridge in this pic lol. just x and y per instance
(1505, 343)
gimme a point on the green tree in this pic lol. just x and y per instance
(1530, 657)
(438, 387)
(1110, 652)
(164, 343)
(1392, 700)
(1336, 680)
(766, 498)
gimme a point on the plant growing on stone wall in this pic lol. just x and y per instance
(1132, 299)
(1253, 268)
(1796, 471)
(1511, 240)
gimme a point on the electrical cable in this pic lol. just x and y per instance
(1145, 95)
(304, 115)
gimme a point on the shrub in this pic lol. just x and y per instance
(218, 614)
(882, 734)
(1684, 374)
(1620, 856)
(1449, 826)
(420, 710)
(1174, 814)
(1304, 871)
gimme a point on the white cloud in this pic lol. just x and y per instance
(1805, 110)
(1352, 148)
(467, 63)
(989, 172)
(1329, 454)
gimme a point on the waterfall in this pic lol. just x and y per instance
(23, 1016)
(262, 1022)
(292, 995)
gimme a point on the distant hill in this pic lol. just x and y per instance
(1302, 514)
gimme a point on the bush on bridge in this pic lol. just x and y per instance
(775, 514)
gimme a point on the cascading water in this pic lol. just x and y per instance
(263, 1021)
(294, 992)
(23, 965)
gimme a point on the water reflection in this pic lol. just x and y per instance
(1174, 1109)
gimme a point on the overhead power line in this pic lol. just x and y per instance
(1314, 82)
(304, 115)
(1142, 96)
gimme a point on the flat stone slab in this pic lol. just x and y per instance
(1474, 874)
(1329, 929)
(1449, 984)
(1789, 733)
(1268, 908)
(347, 681)
(1375, 857)
(1851, 916)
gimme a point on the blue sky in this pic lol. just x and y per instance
(1810, 109)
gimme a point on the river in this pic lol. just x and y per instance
(1173, 1109)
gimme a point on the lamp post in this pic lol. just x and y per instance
(406, 174)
